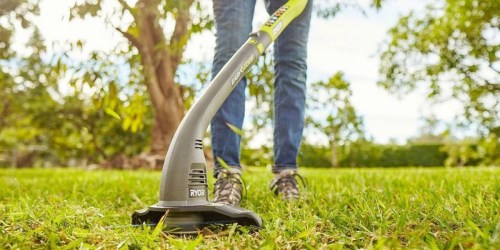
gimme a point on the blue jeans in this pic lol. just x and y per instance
(233, 19)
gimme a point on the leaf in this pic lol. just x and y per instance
(126, 123)
(112, 113)
(79, 44)
(136, 124)
(377, 4)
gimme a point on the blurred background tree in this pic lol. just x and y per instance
(332, 114)
(23, 78)
(452, 51)
(46, 122)
(65, 104)
(159, 50)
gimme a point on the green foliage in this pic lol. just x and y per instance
(413, 208)
(16, 12)
(157, 33)
(461, 154)
(262, 156)
(451, 50)
(332, 114)
(332, 97)
(314, 156)
(88, 109)
(25, 80)
(373, 155)
(260, 101)
(49, 120)
(367, 154)
(489, 149)
(329, 8)
(260, 110)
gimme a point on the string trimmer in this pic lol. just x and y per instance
(184, 190)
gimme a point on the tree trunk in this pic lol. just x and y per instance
(160, 59)
(159, 67)
(166, 120)
(334, 158)
(352, 155)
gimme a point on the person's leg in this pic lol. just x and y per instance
(290, 52)
(233, 22)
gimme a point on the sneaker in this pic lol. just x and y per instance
(285, 185)
(228, 188)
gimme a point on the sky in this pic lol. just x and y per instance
(350, 42)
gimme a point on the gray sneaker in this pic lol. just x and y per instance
(285, 185)
(228, 188)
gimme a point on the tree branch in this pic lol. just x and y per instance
(492, 86)
(5, 111)
(132, 39)
(180, 36)
(153, 86)
(127, 7)
(492, 68)
(98, 148)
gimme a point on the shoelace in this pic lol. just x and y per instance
(229, 182)
(288, 184)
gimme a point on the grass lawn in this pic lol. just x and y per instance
(343, 208)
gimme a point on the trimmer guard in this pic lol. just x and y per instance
(191, 219)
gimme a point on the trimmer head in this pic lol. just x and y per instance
(191, 219)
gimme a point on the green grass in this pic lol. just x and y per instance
(347, 208)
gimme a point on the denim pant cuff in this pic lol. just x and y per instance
(278, 169)
(218, 168)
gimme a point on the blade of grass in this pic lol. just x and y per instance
(193, 244)
(235, 129)
(223, 163)
(159, 227)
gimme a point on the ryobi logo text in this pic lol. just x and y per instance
(196, 193)
(242, 70)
